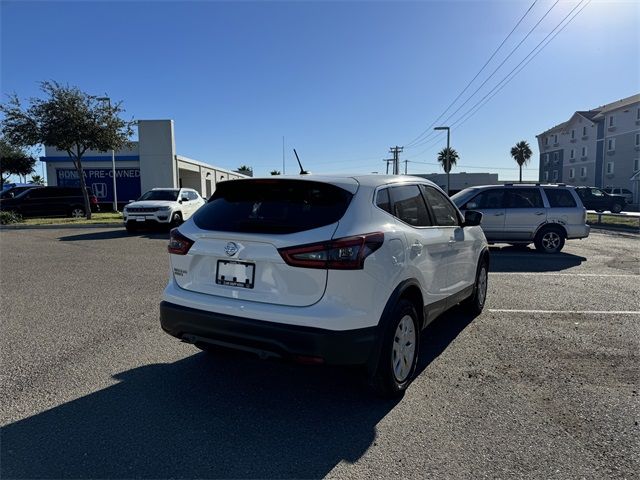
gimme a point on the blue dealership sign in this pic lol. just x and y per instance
(100, 182)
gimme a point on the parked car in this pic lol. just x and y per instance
(335, 270)
(15, 191)
(622, 192)
(50, 202)
(598, 200)
(162, 206)
(521, 214)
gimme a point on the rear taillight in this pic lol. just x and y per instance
(178, 243)
(347, 253)
(93, 200)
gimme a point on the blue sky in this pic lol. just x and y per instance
(342, 81)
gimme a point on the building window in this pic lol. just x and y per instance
(584, 131)
(611, 120)
(573, 134)
(555, 175)
(584, 152)
(546, 176)
(611, 144)
(556, 156)
(583, 172)
(638, 113)
(546, 140)
(572, 153)
(572, 173)
(546, 159)
(609, 167)
(637, 139)
(555, 138)
(636, 164)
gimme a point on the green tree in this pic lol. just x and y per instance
(37, 179)
(14, 161)
(71, 121)
(275, 172)
(447, 158)
(521, 153)
(245, 170)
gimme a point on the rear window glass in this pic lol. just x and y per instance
(524, 198)
(272, 206)
(559, 197)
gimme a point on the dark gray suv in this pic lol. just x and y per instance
(520, 214)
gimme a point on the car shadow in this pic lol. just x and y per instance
(525, 259)
(209, 415)
(113, 234)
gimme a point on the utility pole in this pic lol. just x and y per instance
(283, 171)
(405, 166)
(396, 158)
(388, 160)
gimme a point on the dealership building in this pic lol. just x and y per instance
(150, 162)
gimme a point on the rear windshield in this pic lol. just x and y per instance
(272, 206)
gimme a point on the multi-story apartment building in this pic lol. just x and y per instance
(599, 147)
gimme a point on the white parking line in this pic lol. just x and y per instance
(586, 312)
(554, 274)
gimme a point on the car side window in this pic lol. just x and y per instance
(40, 193)
(408, 205)
(383, 201)
(488, 199)
(559, 197)
(524, 198)
(444, 212)
(192, 195)
(596, 193)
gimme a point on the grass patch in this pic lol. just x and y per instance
(611, 221)
(115, 218)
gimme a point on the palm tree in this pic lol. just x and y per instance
(37, 179)
(521, 153)
(448, 157)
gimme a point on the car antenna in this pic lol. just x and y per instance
(302, 170)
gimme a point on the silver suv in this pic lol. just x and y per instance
(520, 214)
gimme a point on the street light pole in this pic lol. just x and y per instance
(113, 162)
(448, 160)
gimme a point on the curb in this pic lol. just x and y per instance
(616, 231)
(60, 226)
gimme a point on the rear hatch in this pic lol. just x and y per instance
(237, 234)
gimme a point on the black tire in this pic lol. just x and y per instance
(385, 381)
(616, 208)
(550, 240)
(475, 303)
(176, 220)
(77, 212)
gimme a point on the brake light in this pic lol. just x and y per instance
(347, 253)
(178, 243)
(93, 200)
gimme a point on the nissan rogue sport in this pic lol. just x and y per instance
(344, 270)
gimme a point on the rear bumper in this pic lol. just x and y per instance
(345, 347)
(577, 231)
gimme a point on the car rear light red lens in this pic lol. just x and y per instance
(93, 200)
(347, 253)
(178, 243)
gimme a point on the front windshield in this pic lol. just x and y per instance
(462, 196)
(170, 195)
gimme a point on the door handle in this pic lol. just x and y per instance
(539, 213)
(416, 247)
(451, 242)
(498, 214)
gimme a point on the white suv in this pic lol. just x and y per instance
(336, 270)
(162, 206)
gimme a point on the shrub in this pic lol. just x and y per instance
(9, 217)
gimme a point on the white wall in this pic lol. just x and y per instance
(157, 150)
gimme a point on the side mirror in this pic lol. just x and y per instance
(472, 218)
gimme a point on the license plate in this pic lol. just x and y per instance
(235, 274)
(140, 219)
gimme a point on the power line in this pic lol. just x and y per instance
(496, 69)
(500, 85)
(474, 78)
(465, 166)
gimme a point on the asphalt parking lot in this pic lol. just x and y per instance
(543, 384)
